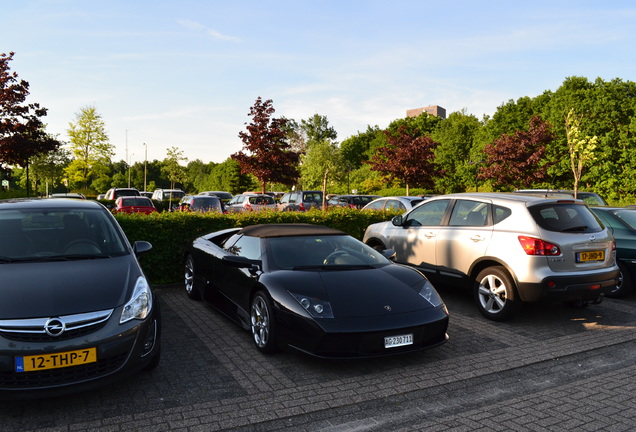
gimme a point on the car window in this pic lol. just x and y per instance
(284, 199)
(312, 197)
(500, 213)
(309, 251)
(248, 247)
(469, 213)
(565, 217)
(52, 233)
(261, 200)
(375, 205)
(627, 216)
(428, 214)
(394, 205)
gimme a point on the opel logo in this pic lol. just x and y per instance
(388, 308)
(592, 239)
(54, 327)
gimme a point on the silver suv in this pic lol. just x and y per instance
(509, 248)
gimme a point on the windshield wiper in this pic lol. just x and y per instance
(575, 228)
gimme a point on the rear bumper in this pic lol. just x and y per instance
(581, 286)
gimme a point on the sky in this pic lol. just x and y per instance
(183, 74)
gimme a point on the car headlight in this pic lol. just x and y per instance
(430, 295)
(317, 308)
(140, 303)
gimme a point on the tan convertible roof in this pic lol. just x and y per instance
(288, 230)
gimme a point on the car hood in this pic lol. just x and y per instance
(46, 289)
(387, 290)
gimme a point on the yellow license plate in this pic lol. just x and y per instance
(590, 256)
(57, 360)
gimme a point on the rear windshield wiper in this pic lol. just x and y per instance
(576, 228)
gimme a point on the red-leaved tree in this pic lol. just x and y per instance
(266, 153)
(22, 134)
(517, 159)
(408, 157)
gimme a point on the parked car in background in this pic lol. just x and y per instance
(168, 194)
(622, 224)
(509, 248)
(300, 201)
(134, 204)
(114, 193)
(146, 194)
(224, 196)
(67, 195)
(399, 203)
(315, 290)
(77, 311)
(351, 201)
(250, 202)
(590, 198)
(201, 203)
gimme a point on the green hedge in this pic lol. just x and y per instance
(171, 232)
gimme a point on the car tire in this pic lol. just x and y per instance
(625, 283)
(496, 294)
(190, 289)
(262, 322)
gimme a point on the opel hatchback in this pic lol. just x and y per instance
(509, 248)
(77, 311)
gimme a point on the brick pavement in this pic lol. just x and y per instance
(554, 368)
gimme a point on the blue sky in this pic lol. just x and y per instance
(185, 73)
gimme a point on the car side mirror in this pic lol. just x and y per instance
(397, 220)
(141, 247)
(389, 254)
(241, 262)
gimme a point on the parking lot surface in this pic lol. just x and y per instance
(553, 368)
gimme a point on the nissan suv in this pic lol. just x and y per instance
(300, 200)
(508, 248)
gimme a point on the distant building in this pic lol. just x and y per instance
(435, 110)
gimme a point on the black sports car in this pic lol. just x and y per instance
(316, 290)
(76, 310)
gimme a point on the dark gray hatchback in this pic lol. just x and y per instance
(77, 311)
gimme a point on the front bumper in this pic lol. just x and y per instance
(359, 338)
(121, 351)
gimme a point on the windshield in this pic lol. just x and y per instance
(52, 234)
(320, 251)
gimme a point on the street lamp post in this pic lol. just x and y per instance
(145, 163)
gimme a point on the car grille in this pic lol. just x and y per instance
(56, 377)
(35, 329)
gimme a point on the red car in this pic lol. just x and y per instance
(134, 204)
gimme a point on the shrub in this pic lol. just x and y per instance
(171, 232)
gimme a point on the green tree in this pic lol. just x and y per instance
(266, 154)
(90, 147)
(359, 148)
(456, 137)
(322, 166)
(581, 147)
(172, 168)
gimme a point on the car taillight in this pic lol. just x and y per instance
(302, 207)
(535, 246)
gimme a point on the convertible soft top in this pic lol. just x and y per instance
(288, 230)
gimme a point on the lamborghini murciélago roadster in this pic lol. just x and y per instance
(316, 290)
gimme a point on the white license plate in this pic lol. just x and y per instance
(396, 341)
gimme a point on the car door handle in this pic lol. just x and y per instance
(477, 238)
(429, 235)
